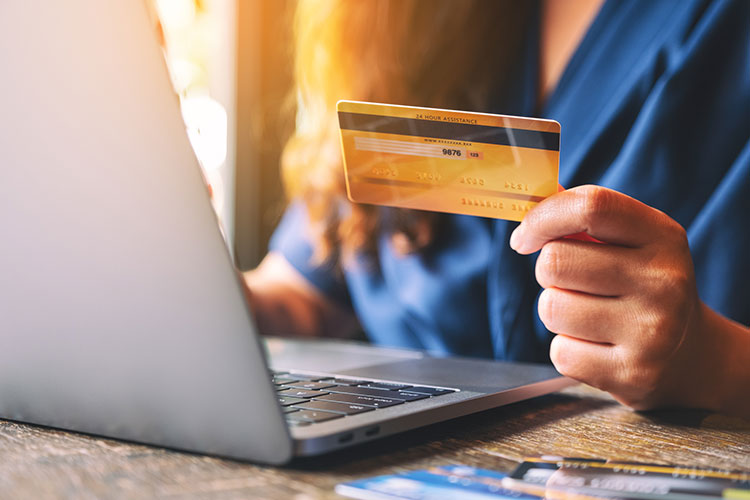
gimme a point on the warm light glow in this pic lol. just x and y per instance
(184, 73)
(206, 122)
(175, 14)
(188, 36)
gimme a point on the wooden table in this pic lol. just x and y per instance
(36, 462)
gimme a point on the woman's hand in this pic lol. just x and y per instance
(284, 303)
(626, 310)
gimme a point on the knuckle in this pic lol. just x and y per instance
(673, 229)
(547, 308)
(594, 201)
(680, 233)
(671, 305)
(641, 379)
(654, 340)
(679, 282)
(549, 265)
(643, 373)
(677, 245)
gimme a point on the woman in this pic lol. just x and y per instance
(654, 102)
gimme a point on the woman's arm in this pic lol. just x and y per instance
(726, 364)
(285, 303)
(627, 313)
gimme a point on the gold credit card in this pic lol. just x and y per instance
(448, 161)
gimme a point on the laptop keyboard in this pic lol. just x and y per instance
(309, 399)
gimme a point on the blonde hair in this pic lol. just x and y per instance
(416, 52)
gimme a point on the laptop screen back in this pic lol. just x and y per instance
(122, 313)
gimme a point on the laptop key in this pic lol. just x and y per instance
(283, 380)
(311, 378)
(291, 409)
(365, 391)
(411, 396)
(386, 386)
(345, 408)
(345, 381)
(430, 391)
(359, 399)
(301, 393)
(313, 416)
(309, 385)
(288, 400)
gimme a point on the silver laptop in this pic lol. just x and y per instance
(122, 314)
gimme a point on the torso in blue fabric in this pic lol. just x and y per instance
(655, 103)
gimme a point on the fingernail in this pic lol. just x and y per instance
(515, 237)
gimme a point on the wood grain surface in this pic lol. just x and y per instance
(37, 462)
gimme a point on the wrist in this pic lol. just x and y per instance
(723, 377)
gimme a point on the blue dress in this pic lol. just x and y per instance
(655, 103)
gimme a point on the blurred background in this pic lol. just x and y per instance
(231, 64)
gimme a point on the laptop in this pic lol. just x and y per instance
(122, 313)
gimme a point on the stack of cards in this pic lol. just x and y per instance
(560, 477)
(450, 482)
(556, 478)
